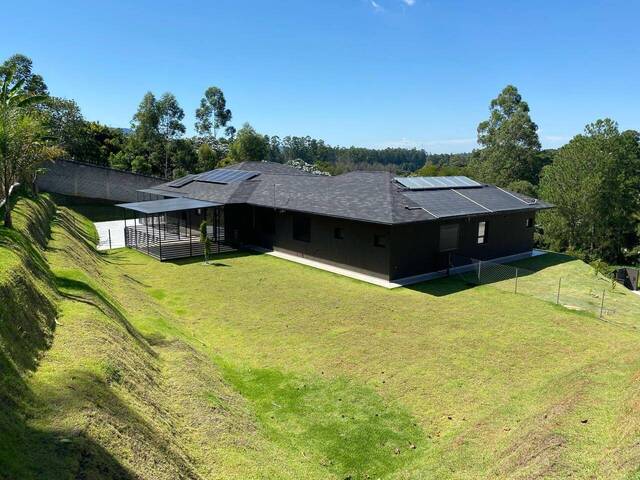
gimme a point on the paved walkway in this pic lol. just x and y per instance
(116, 228)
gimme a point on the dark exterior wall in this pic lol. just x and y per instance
(90, 181)
(411, 249)
(415, 247)
(355, 251)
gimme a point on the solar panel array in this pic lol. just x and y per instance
(442, 203)
(225, 175)
(181, 182)
(433, 183)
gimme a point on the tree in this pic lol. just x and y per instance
(510, 142)
(146, 120)
(22, 67)
(248, 146)
(208, 158)
(170, 125)
(212, 113)
(22, 144)
(594, 182)
(156, 125)
(230, 132)
(65, 122)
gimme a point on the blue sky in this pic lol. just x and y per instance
(353, 72)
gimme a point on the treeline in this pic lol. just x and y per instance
(594, 180)
(155, 142)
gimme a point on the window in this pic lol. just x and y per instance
(338, 233)
(448, 237)
(529, 222)
(380, 241)
(302, 228)
(482, 233)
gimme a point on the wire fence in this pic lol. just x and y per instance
(598, 295)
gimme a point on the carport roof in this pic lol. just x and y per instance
(167, 205)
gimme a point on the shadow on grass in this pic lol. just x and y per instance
(83, 292)
(34, 453)
(441, 287)
(459, 282)
(536, 264)
(30, 453)
(215, 258)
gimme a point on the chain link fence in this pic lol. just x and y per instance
(595, 293)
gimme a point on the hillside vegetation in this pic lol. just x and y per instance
(254, 367)
(85, 395)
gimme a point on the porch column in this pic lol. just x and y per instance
(189, 232)
(146, 224)
(160, 238)
(218, 227)
(126, 240)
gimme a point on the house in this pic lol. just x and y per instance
(395, 229)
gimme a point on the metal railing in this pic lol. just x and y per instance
(168, 242)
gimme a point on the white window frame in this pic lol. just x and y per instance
(481, 239)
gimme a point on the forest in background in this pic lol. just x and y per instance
(593, 180)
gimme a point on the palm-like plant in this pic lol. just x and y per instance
(21, 136)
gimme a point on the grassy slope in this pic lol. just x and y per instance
(104, 402)
(331, 377)
(483, 382)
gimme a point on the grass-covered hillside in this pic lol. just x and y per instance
(119, 366)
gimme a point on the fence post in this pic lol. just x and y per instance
(558, 296)
(160, 240)
(516, 287)
(189, 232)
(479, 267)
(109, 230)
(602, 304)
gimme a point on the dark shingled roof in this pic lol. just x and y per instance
(366, 196)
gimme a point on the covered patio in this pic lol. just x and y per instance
(170, 228)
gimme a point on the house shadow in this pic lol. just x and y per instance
(536, 264)
(441, 287)
(458, 282)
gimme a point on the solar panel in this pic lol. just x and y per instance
(181, 182)
(433, 183)
(226, 175)
(443, 203)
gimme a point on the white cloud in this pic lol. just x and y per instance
(409, 3)
(376, 6)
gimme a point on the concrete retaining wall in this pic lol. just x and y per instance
(90, 181)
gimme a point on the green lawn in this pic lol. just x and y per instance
(436, 381)
(255, 367)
